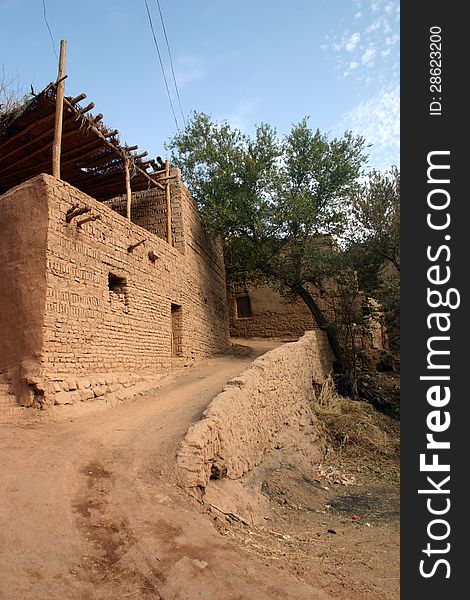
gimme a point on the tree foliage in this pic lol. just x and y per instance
(376, 216)
(374, 245)
(276, 202)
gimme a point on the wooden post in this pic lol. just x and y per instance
(168, 204)
(128, 189)
(59, 112)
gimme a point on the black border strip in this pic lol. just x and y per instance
(440, 127)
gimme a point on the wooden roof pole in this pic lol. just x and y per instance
(119, 151)
(168, 204)
(128, 189)
(59, 112)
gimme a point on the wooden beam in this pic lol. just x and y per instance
(168, 204)
(108, 185)
(132, 247)
(118, 149)
(36, 139)
(88, 220)
(77, 99)
(87, 108)
(59, 111)
(167, 178)
(71, 132)
(76, 213)
(128, 189)
(111, 133)
(98, 118)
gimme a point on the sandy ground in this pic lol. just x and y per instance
(89, 510)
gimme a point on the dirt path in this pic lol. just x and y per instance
(89, 509)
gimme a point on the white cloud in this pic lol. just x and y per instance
(366, 54)
(374, 25)
(353, 65)
(352, 42)
(378, 120)
(368, 57)
(392, 39)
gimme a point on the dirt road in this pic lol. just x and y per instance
(89, 508)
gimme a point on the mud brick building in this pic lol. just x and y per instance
(258, 312)
(261, 312)
(93, 296)
(78, 300)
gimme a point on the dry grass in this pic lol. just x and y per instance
(355, 426)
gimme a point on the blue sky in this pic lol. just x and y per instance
(336, 61)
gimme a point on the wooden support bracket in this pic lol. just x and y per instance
(88, 220)
(132, 247)
(75, 211)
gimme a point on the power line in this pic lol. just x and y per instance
(171, 60)
(48, 28)
(161, 64)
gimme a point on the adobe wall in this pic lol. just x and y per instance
(240, 424)
(87, 329)
(148, 210)
(271, 317)
(23, 228)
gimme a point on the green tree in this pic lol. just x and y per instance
(277, 203)
(376, 216)
(374, 244)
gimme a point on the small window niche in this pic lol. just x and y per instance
(118, 297)
(243, 306)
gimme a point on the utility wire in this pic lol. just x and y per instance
(161, 64)
(48, 28)
(171, 61)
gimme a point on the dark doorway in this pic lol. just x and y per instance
(243, 307)
(176, 330)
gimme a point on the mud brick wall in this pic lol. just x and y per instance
(77, 301)
(239, 425)
(23, 227)
(89, 328)
(270, 316)
(148, 210)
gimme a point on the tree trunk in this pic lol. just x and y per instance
(324, 325)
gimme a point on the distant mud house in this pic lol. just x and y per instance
(99, 285)
(259, 312)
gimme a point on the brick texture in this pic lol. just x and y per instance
(270, 316)
(103, 307)
(238, 427)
